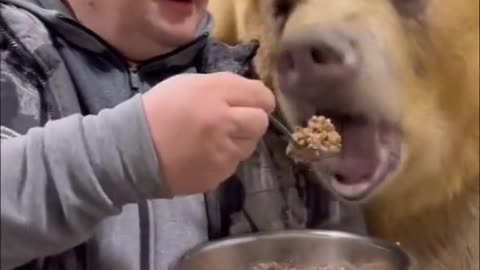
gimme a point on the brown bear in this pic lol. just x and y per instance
(400, 80)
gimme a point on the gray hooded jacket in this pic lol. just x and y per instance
(80, 185)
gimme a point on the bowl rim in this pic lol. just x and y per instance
(403, 255)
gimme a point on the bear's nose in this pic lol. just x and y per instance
(327, 62)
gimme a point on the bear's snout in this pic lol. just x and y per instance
(315, 63)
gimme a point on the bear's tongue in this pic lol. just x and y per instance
(359, 158)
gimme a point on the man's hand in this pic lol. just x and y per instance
(204, 125)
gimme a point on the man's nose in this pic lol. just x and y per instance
(322, 60)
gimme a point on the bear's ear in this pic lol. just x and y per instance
(250, 71)
(410, 8)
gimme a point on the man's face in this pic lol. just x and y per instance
(172, 22)
(141, 29)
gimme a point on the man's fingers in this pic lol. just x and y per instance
(248, 123)
(251, 93)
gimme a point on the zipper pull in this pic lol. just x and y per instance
(134, 79)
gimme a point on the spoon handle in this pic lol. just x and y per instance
(280, 127)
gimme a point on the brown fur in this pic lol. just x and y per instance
(431, 204)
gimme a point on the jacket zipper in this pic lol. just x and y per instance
(16, 47)
(134, 78)
(133, 72)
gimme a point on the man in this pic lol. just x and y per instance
(106, 149)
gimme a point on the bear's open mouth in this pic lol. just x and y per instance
(370, 153)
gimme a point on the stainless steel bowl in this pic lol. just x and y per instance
(299, 248)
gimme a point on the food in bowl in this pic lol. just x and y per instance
(310, 144)
(297, 250)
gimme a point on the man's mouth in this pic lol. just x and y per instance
(370, 153)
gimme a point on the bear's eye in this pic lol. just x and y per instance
(281, 8)
(409, 8)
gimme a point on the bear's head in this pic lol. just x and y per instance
(399, 79)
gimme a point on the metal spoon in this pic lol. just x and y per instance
(282, 128)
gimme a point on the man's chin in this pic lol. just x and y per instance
(178, 36)
(175, 32)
